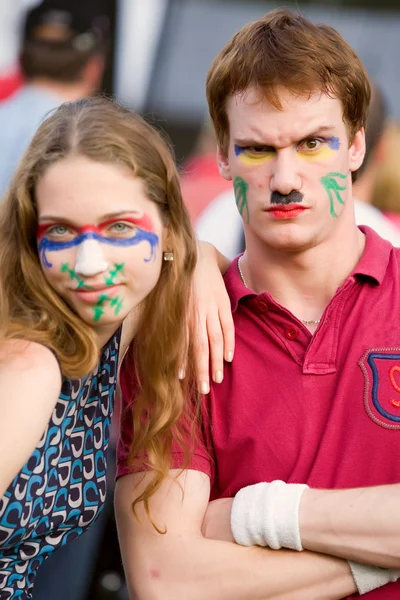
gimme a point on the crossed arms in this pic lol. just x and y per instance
(184, 564)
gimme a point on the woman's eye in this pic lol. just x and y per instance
(58, 230)
(120, 228)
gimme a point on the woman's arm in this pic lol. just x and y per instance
(183, 564)
(213, 323)
(30, 383)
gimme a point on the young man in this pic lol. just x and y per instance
(312, 397)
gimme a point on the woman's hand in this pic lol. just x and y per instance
(213, 322)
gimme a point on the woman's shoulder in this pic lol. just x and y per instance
(27, 356)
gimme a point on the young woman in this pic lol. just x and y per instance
(94, 240)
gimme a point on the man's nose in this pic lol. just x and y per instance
(285, 176)
(89, 259)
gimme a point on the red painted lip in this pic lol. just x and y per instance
(290, 211)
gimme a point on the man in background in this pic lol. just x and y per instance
(62, 58)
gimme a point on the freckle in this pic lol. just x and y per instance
(154, 574)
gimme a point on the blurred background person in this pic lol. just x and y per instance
(10, 73)
(62, 58)
(200, 180)
(386, 196)
(221, 223)
(376, 158)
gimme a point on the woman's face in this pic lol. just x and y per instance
(100, 239)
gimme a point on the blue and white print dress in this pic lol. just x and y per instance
(62, 488)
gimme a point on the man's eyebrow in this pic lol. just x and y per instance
(258, 141)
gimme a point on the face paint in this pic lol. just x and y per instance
(96, 233)
(110, 278)
(327, 146)
(240, 188)
(74, 276)
(332, 188)
(89, 259)
(285, 199)
(115, 303)
(250, 157)
(98, 310)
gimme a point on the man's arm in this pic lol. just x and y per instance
(361, 524)
(181, 563)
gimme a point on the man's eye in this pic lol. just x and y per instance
(311, 144)
(258, 149)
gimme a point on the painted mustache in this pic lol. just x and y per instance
(291, 198)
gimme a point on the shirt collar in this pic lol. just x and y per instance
(375, 258)
(235, 286)
(373, 264)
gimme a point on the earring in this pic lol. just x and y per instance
(168, 255)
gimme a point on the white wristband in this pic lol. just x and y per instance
(368, 578)
(267, 514)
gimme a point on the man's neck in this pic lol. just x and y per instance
(304, 283)
(68, 92)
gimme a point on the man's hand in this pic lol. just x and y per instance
(217, 521)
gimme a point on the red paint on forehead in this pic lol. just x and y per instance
(143, 222)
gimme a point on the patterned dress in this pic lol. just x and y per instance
(62, 488)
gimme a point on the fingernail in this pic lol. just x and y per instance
(218, 377)
(204, 387)
(181, 374)
(229, 356)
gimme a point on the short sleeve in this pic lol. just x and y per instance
(200, 455)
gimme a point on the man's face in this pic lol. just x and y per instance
(291, 168)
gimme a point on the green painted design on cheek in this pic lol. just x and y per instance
(333, 190)
(240, 188)
(116, 303)
(65, 268)
(110, 277)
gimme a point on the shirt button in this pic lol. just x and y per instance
(263, 306)
(292, 333)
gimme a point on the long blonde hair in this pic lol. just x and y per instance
(29, 307)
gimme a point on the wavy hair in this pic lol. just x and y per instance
(102, 130)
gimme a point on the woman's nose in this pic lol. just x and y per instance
(89, 259)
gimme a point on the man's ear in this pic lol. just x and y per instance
(357, 150)
(223, 164)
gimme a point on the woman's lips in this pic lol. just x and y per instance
(93, 296)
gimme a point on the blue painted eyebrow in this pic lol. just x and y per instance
(140, 236)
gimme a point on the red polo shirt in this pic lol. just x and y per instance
(320, 409)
